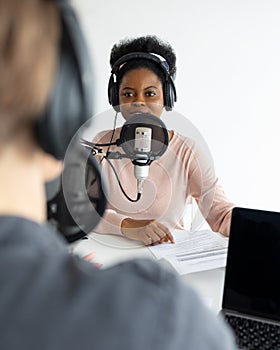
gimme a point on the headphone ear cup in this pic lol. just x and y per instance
(170, 95)
(71, 102)
(168, 98)
(64, 113)
(113, 94)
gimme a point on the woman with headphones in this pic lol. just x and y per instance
(141, 81)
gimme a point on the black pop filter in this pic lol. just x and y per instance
(159, 136)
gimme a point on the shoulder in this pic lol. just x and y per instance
(156, 296)
(107, 135)
(181, 147)
(181, 141)
(20, 232)
(192, 148)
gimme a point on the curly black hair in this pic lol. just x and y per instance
(148, 44)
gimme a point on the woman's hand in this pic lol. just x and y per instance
(148, 231)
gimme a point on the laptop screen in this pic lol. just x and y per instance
(252, 280)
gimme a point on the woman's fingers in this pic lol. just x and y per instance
(166, 233)
(158, 233)
(170, 237)
(147, 240)
(152, 237)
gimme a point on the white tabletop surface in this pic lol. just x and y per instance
(112, 249)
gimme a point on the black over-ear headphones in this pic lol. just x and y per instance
(71, 102)
(73, 211)
(169, 90)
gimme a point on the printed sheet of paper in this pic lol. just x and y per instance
(193, 251)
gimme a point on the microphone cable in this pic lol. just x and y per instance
(112, 136)
(120, 185)
(96, 150)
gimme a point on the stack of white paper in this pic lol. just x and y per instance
(193, 251)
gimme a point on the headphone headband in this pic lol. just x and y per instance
(135, 55)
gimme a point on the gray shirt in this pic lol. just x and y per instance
(51, 299)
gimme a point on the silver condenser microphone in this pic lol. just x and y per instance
(142, 148)
(143, 138)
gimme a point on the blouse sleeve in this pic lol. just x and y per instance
(110, 223)
(208, 193)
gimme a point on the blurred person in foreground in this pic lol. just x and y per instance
(51, 299)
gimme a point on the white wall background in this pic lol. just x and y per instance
(228, 78)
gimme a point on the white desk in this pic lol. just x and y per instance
(113, 249)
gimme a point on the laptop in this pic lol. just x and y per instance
(251, 296)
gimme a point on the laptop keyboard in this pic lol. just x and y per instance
(254, 335)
